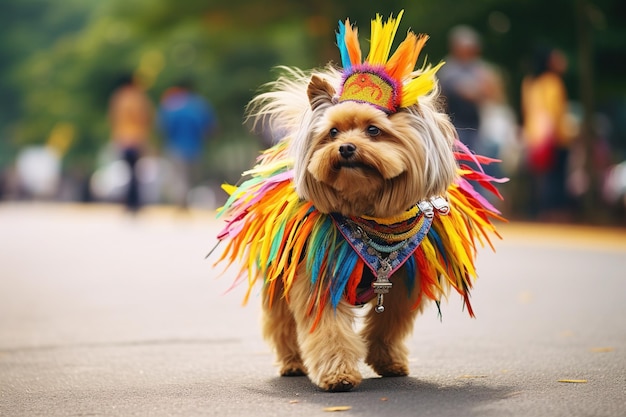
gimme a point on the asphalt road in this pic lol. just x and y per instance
(102, 314)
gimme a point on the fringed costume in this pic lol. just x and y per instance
(270, 231)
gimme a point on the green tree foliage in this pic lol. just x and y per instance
(59, 60)
(27, 26)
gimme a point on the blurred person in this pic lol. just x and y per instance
(131, 115)
(545, 134)
(463, 81)
(498, 130)
(186, 120)
(39, 168)
(38, 172)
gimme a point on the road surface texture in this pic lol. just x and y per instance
(105, 314)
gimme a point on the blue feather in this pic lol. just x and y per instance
(341, 44)
(318, 247)
(410, 271)
(345, 261)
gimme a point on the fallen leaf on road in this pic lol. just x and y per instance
(602, 349)
(294, 401)
(338, 408)
(525, 297)
(383, 398)
(472, 376)
(574, 381)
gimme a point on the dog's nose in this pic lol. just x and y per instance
(347, 150)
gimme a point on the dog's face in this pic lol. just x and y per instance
(360, 161)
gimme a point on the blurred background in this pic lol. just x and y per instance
(69, 69)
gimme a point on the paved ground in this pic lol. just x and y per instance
(105, 315)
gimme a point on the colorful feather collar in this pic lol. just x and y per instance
(271, 233)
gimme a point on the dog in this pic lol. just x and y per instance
(365, 199)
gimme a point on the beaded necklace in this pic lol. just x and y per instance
(386, 244)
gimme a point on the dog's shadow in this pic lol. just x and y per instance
(396, 396)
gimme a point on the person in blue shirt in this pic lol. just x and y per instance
(187, 120)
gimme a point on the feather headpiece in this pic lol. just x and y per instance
(387, 83)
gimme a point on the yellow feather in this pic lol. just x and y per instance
(429, 253)
(382, 38)
(454, 246)
(230, 189)
(419, 86)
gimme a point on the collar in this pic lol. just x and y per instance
(385, 244)
(394, 238)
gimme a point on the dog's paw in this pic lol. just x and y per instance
(388, 361)
(390, 369)
(340, 383)
(293, 370)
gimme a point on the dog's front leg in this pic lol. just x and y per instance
(279, 329)
(332, 351)
(386, 332)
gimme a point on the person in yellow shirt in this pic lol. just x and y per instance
(131, 117)
(545, 133)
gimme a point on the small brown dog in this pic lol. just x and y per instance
(363, 200)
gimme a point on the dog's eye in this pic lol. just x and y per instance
(373, 130)
(333, 132)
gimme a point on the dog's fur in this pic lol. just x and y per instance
(409, 158)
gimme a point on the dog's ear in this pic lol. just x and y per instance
(319, 92)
